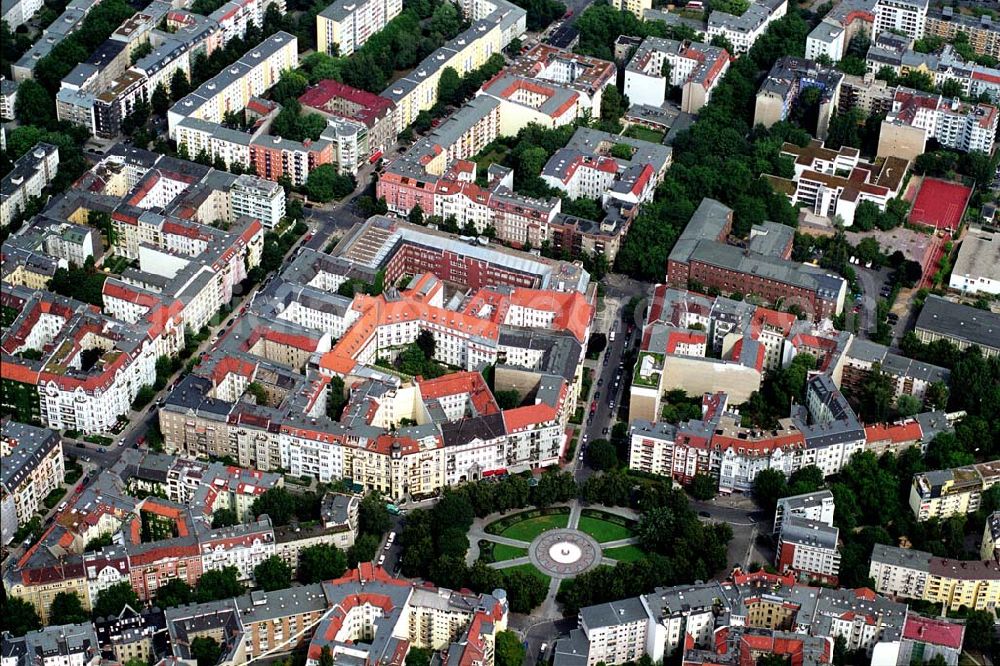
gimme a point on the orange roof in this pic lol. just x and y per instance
(521, 418)
(896, 432)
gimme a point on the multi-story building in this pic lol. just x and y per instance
(701, 255)
(914, 574)
(808, 548)
(977, 268)
(991, 538)
(908, 376)
(905, 16)
(33, 467)
(55, 33)
(818, 506)
(834, 183)
(257, 198)
(59, 645)
(834, 33)
(8, 98)
(494, 24)
(944, 493)
(789, 76)
(32, 172)
(659, 64)
(869, 95)
(742, 31)
(18, 12)
(131, 634)
(376, 113)
(637, 7)
(983, 32)
(750, 615)
(589, 167)
(344, 26)
(961, 325)
(918, 116)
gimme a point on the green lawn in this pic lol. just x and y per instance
(527, 530)
(530, 568)
(502, 552)
(644, 134)
(603, 530)
(625, 553)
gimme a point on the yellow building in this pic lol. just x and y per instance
(636, 7)
(344, 26)
(944, 493)
(40, 586)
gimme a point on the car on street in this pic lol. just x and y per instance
(605, 431)
(600, 381)
(381, 560)
(704, 514)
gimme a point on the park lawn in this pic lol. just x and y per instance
(602, 530)
(527, 530)
(530, 568)
(502, 552)
(625, 553)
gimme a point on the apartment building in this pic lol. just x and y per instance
(32, 172)
(833, 34)
(908, 376)
(637, 7)
(991, 538)
(377, 114)
(962, 325)
(60, 645)
(905, 16)
(742, 31)
(818, 506)
(659, 64)
(914, 574)
(589, 168)
(808, 548)
(33, 467)
(494, 24)
(983, 31)
(701, 255)
(344, 26)
(917, 116)
(754, 614)
(18, 12)
(616, 631)
(834, 183)
(944, 493)
(788, 77)
(257, 198)
(55, 33)
(8, 98)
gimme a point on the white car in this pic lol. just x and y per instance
(381, 560)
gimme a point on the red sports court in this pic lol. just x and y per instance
(940, 204)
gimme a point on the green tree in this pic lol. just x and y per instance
(449, 85)
(180, 87)
(113, 600)
(373, 518)
(20, 617)
(258, 392)
(907, 405)
(416, 215)
(33, 104)
(206, 650)
(601, 455)
(509, 649)
(160, 100)
(979, 631)
(418, 657)
(703, 487)
(808, 479)
(66, 608)
(326, 656)
(321, 562)
(219, 584)
(277, 503)
(325, 184)
(224, 518)
(273, 574)
(364, 549)
(175, 592)
(769, 486)
(507, 399)
(426, 342)
(290, 86)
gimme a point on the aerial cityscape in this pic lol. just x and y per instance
(499, 333)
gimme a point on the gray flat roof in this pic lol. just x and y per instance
(953, 320)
